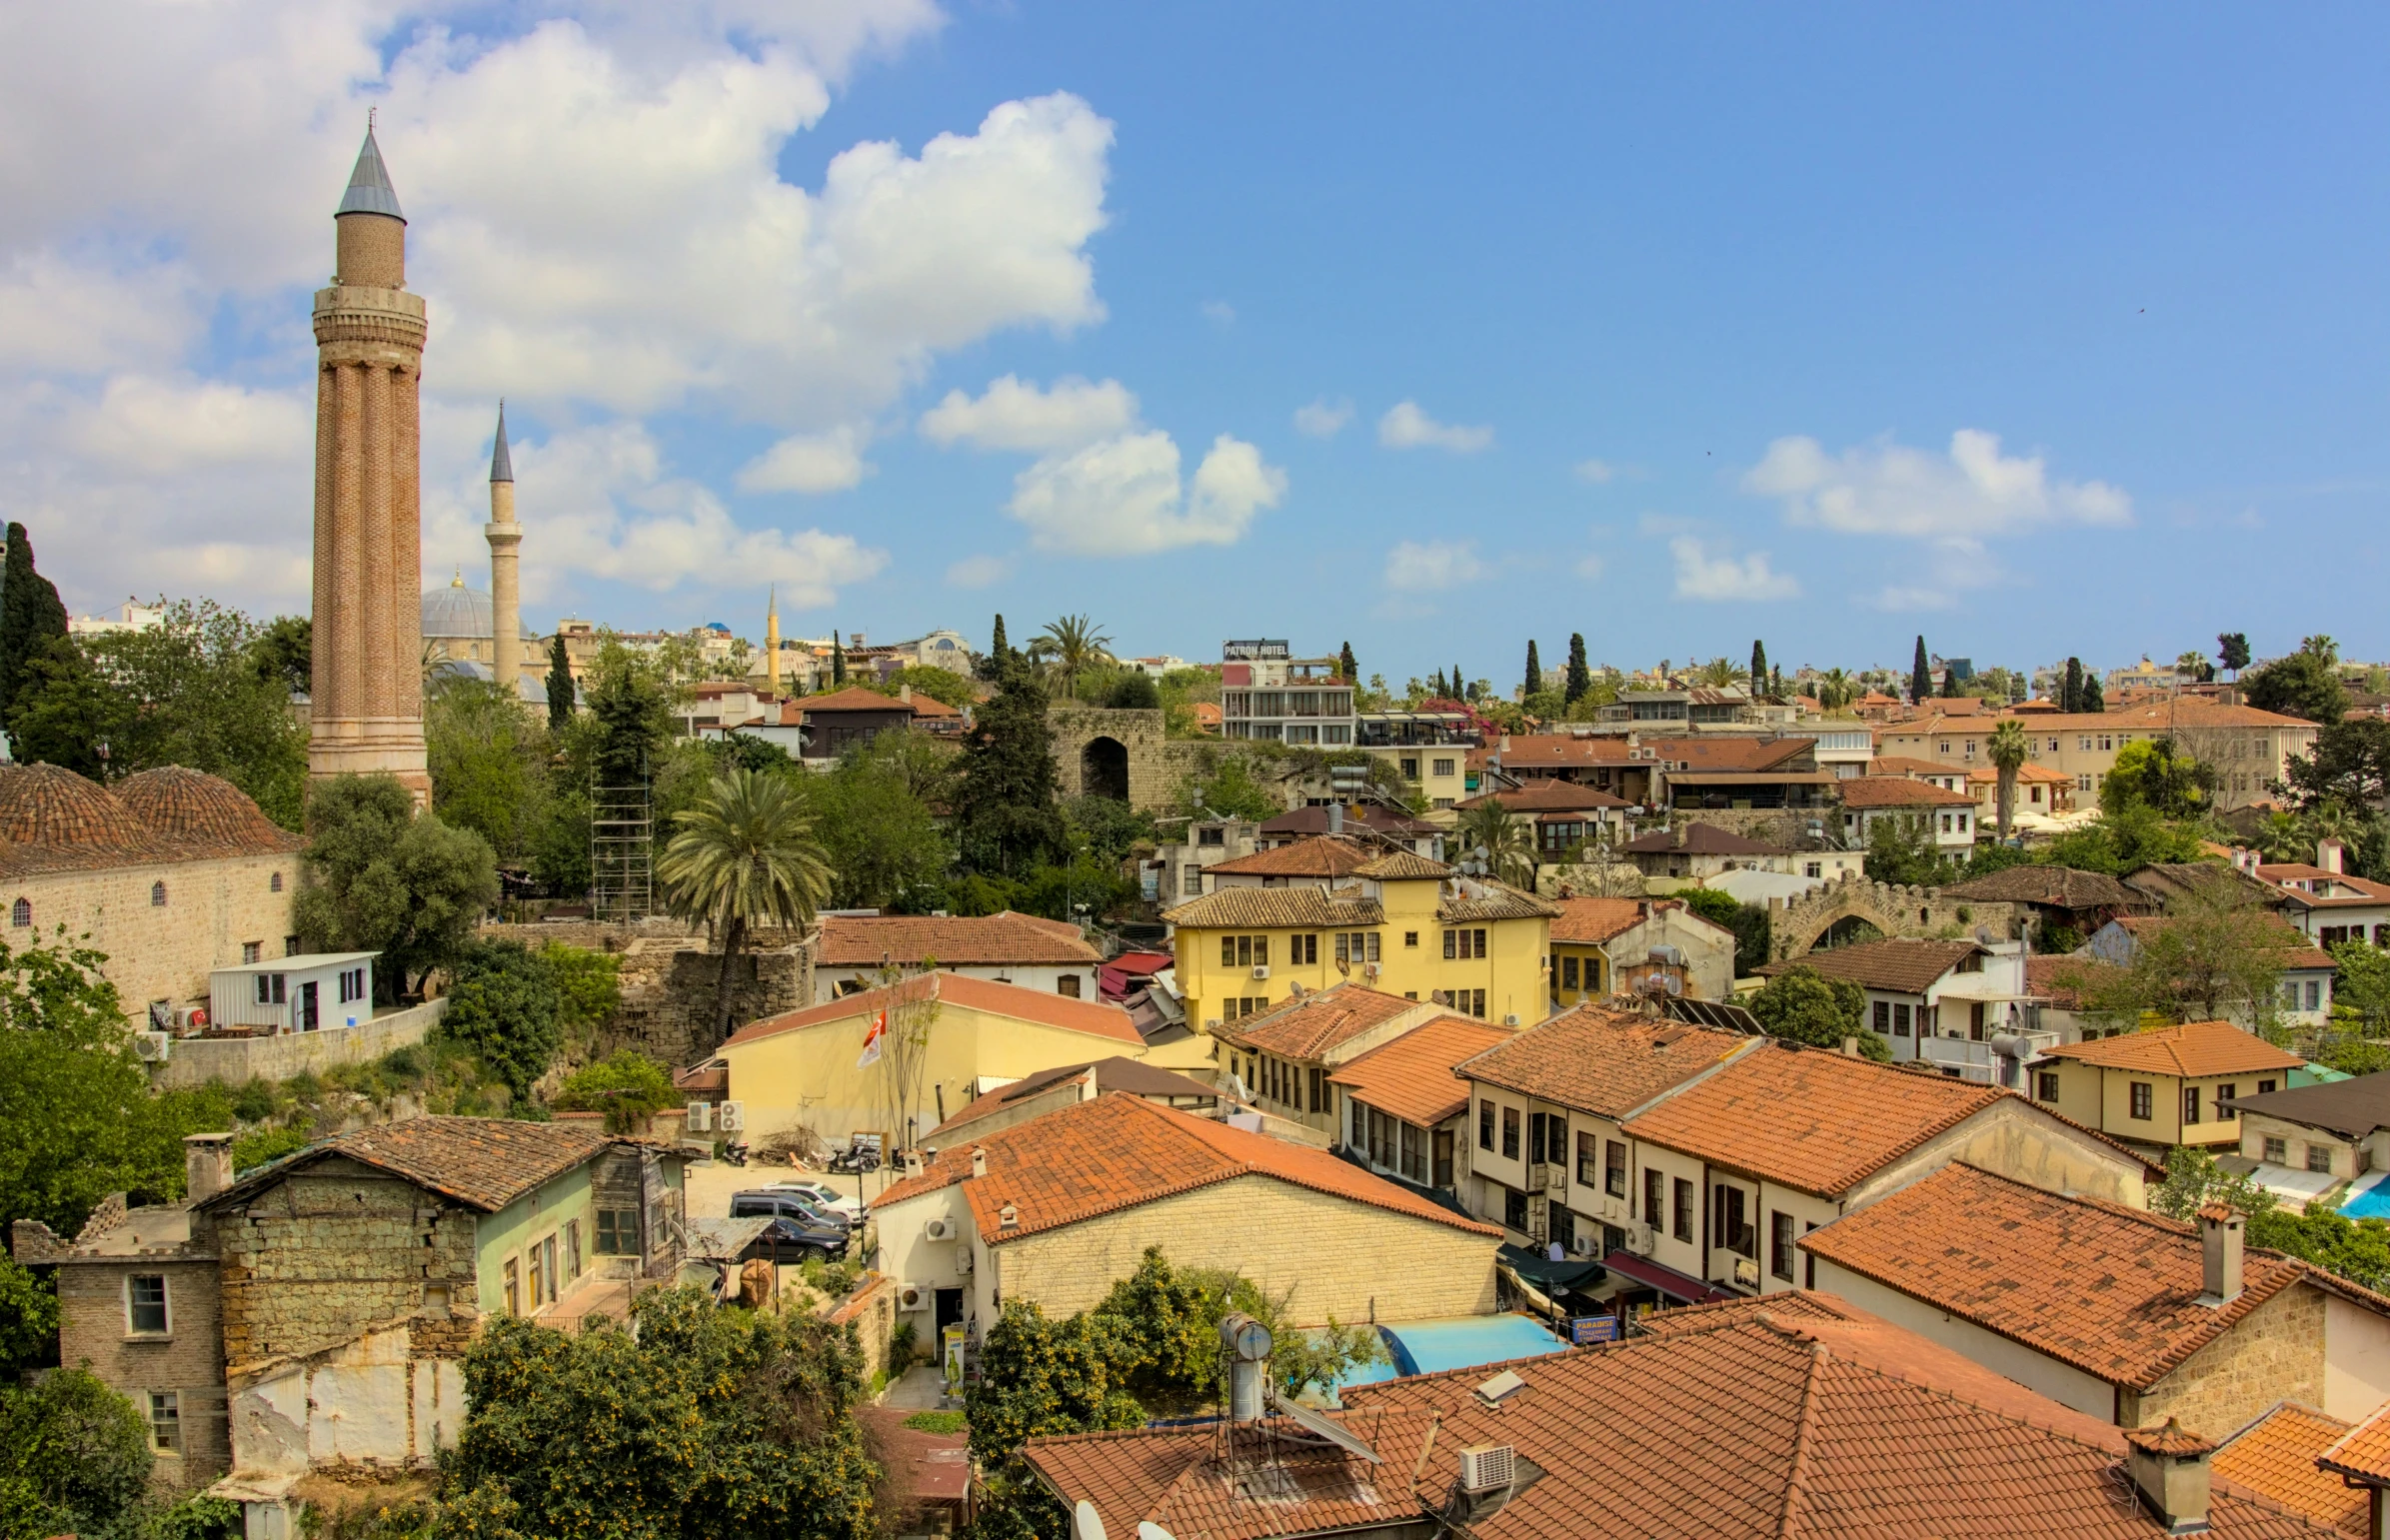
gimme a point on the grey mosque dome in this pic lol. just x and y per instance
(457, 610)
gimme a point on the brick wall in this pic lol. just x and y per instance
(163, 953)
(312, 1261)
(2275, 1352)
(189, 1360)
(1340, 1258)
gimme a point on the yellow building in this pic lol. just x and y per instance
(1402, 924)
(2168, 1085)
(806, 1068)
(2246, 746)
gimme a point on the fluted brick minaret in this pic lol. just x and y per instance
(506, 599)
(367, 716)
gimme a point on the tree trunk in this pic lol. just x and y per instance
(734, 932)
(2008, 796)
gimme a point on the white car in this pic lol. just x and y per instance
(821, 1195)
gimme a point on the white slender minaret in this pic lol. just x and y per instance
(506, 596)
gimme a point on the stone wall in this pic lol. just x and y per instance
(668, 981)
(164, 951)
(2274, 1353)
(187, 1360)
(1796, 925)
(234, 1060)
(872, 1312)
(1156, 762)
(312, 1260)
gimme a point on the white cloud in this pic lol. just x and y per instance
(1901, 597)
(1124, 497)
(169, 427)
(821, 461)
(1589, 567)
(1887, 489)
(1220, 311)
(1015, 414)
(1322, 419)
(1423, 567)
(1595, 472)
(1711, 573)
(979, 572)
(1406, 426)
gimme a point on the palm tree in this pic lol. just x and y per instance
(1509, 852)
(1069, 648)
(2283, 838)
(745, 856)
(1719, 673)
(2007, 748)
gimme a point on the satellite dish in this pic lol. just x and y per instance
(1146, 1529)
(1085, 1525)
(1319, 1427)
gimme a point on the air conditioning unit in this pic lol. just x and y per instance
(1262, 971)
(1642, 1239)
(1488, 1467)
(731, 1117)
(963, 1261)
(190, 1018)
(939, 1229)
(912, 1296)
(1369, 969)
(700, 1116)
(152, 1048)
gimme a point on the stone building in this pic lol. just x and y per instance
(170, 873)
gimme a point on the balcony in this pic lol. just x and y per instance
(1998, 1060)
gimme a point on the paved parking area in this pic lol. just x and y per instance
(710, 1184)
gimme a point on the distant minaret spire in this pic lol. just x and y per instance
(506, 595)
(771, 640)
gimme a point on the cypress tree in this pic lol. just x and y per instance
(1459, 686)
(1004, 798)
(1758, 667)
(560, 684)
(1535, 682)
(30, 617)
(1347, 666)
(2092, 697)
(1435, 686)
(838, 661)
(1921, 677)
(990, 665)
(1949, 684)
(1581, 677)
(2070, 694)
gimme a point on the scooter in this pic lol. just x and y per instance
(854, 1161)
(735, 1152)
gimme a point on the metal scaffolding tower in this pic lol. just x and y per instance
(622, 851)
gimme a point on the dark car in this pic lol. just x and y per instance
(788, 1205)
(792, 1239)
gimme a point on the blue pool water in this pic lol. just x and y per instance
(2370, 1198)
(1460, 1342)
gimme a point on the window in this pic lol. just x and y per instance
(1510, 1133)
(1414, 1154)
(157, 896)
(2315, 994)
(274, 883)
(2264, 1086)
(538, 1279)
(1441, 768)
(1066, 986)
(2191, 1103)
(1883, 1019)
(1614, 1168)
(1682, 1223)
(2143, 1099)
(1655, 1198)
(1536, 1144)
(2278, 1150)
(1486, 1126)
(1588, 1153)
(1514, 1208)
(145, 1304)
(1319, 1087)
(572, 1249)
(1301, 948)
(1411, 768)
(1472, 1001)
(2319, 1158)
(514, 1297)
(1779, 1233)
(548, 1266)
(20, 915)
(618, 1233)
(1410, 939)
(1569, 973)
(351, 984)
(1464, 943)
(1216, 837)
(2045, 1085)
(1191, 882)
(1563, 1229)
(1900, 1020)
(1731, 1227)
(252, 950)
(166, 1421)
(2225, 1095)
(1815, 868)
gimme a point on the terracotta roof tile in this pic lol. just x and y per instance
(1698, 840)
(2063, 978)
(1590, 921)
(1323, 856)
(1603, 1059)
(860, 940)
(1868, 792)
(1402, 867)
(984, 995)
(1311, 1025)
(1548, 794)
(2112, 1291)
(852, 698)
(1280, 908)
(2275, 1458)
(52, 819)
(2293, 949)
(1904, 765)
(486, 1162)
(1411, 1077)
(1116, 1152)
(1808, 1118)
(1110, 1075)
(1896, 964)
(2362, 1452)
(2057, 886)
(2193, 1048)
(1495, 900)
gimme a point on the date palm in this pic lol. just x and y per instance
(1069, 648)
(2007, 750)
(1510, 850)
(746, 857)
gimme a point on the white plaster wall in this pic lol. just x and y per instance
(2063, 1383)
(365, 1402)
(2356, 1360)
(909, 1255)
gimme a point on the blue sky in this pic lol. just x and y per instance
(2037, 330)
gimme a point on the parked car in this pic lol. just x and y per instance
(795, 1239)
(790, 1206)
(821, 1195)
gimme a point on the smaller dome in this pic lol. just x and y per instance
(454, 610)
(43, 805)
(193, 807)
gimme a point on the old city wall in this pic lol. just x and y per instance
(164, 951)
(669, 977)
(1796, 925)
(195, 1061)
(312, 1260)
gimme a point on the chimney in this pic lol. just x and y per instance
(2329, 854)
(1336, 817)
(913, 1163)
(1850, 1047)
(904, 693)
(2168, 1468)
(978, 1160)
(207, 1165)
(2220, 1247)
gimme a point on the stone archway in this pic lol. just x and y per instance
(1104, 768)
(1833, 914)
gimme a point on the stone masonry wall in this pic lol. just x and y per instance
(313, 1259)
(2274, 1353)
(668, 982)
(164, 951)
(1797, 923)
(189, 1360)
(1342, 1259)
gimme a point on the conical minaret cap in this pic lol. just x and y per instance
(502, 466)
(369, 190)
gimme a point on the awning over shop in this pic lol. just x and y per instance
(1667, 1280)
(1547, 1275)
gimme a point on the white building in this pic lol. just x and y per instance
(305, 993)
(1268, 694)
(130, 616)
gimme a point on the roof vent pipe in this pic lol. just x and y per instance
(978, 1160)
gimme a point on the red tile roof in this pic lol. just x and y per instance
(984, 940)
(1323, 856)
(484, 1162)
(1698, 840)
(1117, 1152)
(1591, 921)
(2109, 1290)
(1870, 791)
(1277, 909)
(1898, 964)
(2293, 949)
(1547, 795)
(2364, 1451)
(981, 994)
(852, 698)
(52, 819)
(2063, 978)
(2054, 887)
(1603, 1059)
(2275, 1457)
(1110, 1075)
(1809, 1118)
(1411, 1077)
(1311, 1025)
(2192, 1049)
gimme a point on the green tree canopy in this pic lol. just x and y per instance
(1901, 849)
(1580, 675)
(2153, 774)
(2232, 650)
(502, 1003)
(2304, 684)
(1803, 1005)
(1227, 789)
(1749, 923)
(283, 652)
(746, 857)
(627, 1086)
(2131, 837)
(561, 689)
(489, 765)
(31, 617)
(66, 715)
(940, 685)
(381, 878)
(1920, 676)
(74, 1458)
(875, 811)
(1004, 798)
(2218, 957)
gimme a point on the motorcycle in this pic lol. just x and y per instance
(735, 1152)
(854, 1161)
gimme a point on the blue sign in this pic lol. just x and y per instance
(1586, 1330)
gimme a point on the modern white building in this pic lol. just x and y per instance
(305, 993)
(1266, 693)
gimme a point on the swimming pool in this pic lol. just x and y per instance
(2370, 1198)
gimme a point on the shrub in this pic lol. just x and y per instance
(629, 1087)
(503, 1006)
